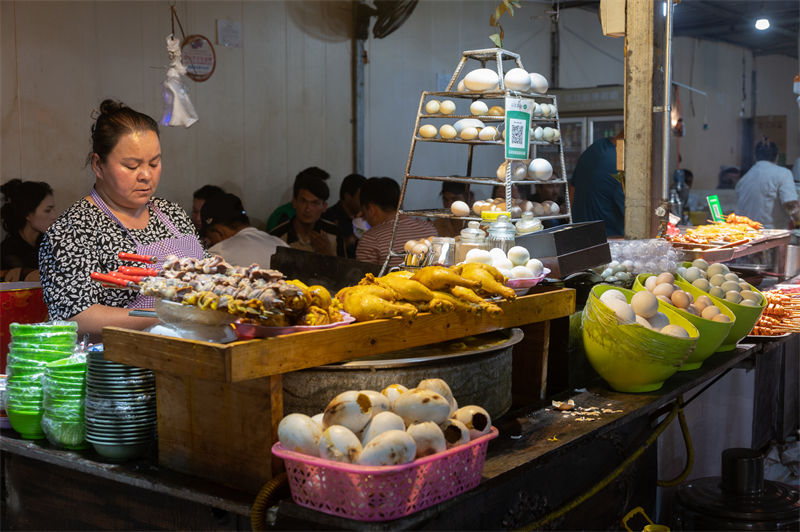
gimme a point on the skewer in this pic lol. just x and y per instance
(115, 281)
(134, 278)
(148, 259)
(135, 270)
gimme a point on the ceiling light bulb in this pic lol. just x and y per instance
(762, 24)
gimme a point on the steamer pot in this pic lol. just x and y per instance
(477, 368)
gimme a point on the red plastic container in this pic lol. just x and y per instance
(382, 493)
(21, 303)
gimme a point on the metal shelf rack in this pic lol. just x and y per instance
(482, 56)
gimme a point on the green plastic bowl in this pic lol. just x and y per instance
(70, 434)
(746, 317)
(632, 358)
(27, 423)
(37, 353)
(712, 333)
(43, 327)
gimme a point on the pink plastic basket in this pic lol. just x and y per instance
(381, 493)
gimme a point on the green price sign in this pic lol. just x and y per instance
(518, 127)
(714, 207)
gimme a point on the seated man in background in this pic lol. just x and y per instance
(286, 211)
(728, 177)
(307, 230)
(766, 193)
(380, 197)
(344, 211)
(228, 231)
(199, 197)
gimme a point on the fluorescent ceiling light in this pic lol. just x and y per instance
(762, 24)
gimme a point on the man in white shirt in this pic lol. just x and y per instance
(766, 193)
(227, 229)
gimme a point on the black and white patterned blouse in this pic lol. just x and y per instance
(84, 240)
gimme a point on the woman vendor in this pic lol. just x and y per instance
(119, 215)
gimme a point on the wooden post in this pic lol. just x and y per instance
(639, 73)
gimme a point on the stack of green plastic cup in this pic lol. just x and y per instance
(64, 386)
(32, 347)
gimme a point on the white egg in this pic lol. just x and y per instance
(419, 249)
(447, 131)
(645, 304)
(608, 295)
(519, 255)
(505, 273)
(340, 444)
(536, 266)
(538, 209)
(658, 321)
(527, 206)
(537, 109)
(417, 405)
(478, 108)
(551, 208)
(556, 135)
(468, 122)
(496, 110)
(675, 330)
(442, 388)
(468, 133)
(517, 79)
(432, 107)
(538, 83)
(624, 312)
(299, 433)
(380, 403)
(427, 131)
(392, 447)
(545, 109)
(481, 79)
(478, 255)
(455, 432)
(488, 133)
(548, 133)
(521, 272)
(460, 87)
(540, 169)
(497, 254)
(459, 208)
(475, 418)
(447, 107)
(538, 133)
(392, 391)
(503, 264)
(381, 423)
(478, 207)
(352, 409)
(428, 438)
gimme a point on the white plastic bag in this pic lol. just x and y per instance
(178, 108)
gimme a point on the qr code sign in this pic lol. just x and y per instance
(517, 129)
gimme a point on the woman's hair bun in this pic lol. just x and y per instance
(110, 106)
(11, 189)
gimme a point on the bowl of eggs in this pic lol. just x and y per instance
(521, 271)
(713, 321)
(634, 344)
(727, 289)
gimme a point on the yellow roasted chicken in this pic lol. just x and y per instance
(361, 303)
(440, 278)
(487, 278)
(406, 289)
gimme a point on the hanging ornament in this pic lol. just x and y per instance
(178, 108)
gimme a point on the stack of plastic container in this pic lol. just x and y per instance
(64, 386)
(32, 347)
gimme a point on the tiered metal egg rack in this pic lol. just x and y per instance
(482, 56)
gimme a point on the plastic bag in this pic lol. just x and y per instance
(178, 108)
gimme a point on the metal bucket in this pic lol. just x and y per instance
(477, 368)
(792, 261)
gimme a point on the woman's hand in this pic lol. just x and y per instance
(92, 320)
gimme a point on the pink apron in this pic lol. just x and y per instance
(180, 245)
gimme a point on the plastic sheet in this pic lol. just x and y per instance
(632, 257)
(632, 357)
(64, 393)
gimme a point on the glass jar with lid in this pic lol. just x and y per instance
(502, 233)
(528, 224)
(471, 237)
(443, 251)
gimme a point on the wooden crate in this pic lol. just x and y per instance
(219, 405)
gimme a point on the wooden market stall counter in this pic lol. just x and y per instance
(541, 460)
(219, 405)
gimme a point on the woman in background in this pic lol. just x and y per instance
(28, 210)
